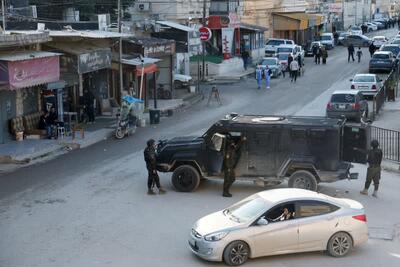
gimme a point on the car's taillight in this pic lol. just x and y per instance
(373, 87)
(355, 106)
(353, 87)
(362, 217)
(329, 105)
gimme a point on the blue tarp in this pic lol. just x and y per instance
(131, 99)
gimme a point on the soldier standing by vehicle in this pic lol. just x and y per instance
(230, 160)
(350, 51)
(151, 161)
(374, 169)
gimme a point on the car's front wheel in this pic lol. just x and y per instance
(236, 253)
(340, 244)
(186, 178)
(303, 179)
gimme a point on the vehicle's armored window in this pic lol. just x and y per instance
(314, 208)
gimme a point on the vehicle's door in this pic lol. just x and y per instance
(274, 238)
(261, 147)
(317, 222)
(355, 142)
(214, 154)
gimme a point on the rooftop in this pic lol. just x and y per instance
(95, 34)
(18, 56)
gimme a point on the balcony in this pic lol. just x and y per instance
(224, 7)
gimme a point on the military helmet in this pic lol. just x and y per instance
(150, 142)
(374, 143)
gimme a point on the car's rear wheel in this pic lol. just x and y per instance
(340, 244)
(236, 253)
(303, 179)
(186, 178)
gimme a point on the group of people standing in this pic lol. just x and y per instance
(320, 52)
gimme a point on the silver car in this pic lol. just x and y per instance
(350, 104)
(273, 65)
(280, 221)
(368, 84)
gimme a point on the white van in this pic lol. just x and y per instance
(327, 40)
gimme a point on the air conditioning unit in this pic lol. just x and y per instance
(142, 6)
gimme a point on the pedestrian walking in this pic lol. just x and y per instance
(350, 51)
(300, 61)
(88, 101)
(371, 49)
(151, 164)
(374, 160)
(294, 68)
(259, 76)
(324, 55)
(267, 74)
(317, 54)
(245, 57)
(359, 54)
(289, 60)
(231, 158)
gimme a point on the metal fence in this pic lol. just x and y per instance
(389, 141)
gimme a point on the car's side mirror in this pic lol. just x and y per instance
(262, 221)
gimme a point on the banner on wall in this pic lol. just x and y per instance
(227, 40)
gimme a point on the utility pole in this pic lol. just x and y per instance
(203, 44)
(121, 75)
(3, 9)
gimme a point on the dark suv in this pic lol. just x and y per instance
(306, 150)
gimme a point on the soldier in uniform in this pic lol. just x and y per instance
(230, 160)
(150, 159)
(374, 169)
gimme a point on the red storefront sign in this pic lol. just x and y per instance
(205, 34)
(31, 72)
(146, 69)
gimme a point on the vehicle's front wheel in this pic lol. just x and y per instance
(236, 253)
(186, 178)
(303, 179)
(340, 244)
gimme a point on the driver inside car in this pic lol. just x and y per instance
(286, 215)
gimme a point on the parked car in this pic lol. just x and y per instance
(380, 25)
(384, 22)
(309, 49)
(355, 30)
(280, 221)
(342, 36)
(327, 40)
(348, 103)
(273, 43)
(292, 49)
(381, 61)
(273, 65)
(394, 48)
(378, 41)
(356, 40)
(371, 26)
(273, 149)
(395, 41)
(182, 81)
(283, 60)
(367, 84)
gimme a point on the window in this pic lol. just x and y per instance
(275, 42)
(380, 56)
(281, 212)
(364, 79)
(285, 50)
(342, 98)
(314, 208)
(268, 62)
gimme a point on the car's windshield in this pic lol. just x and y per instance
(326, 38)
(355, 29)
(283, 56)
(343, 34)
(285, 49)
(275, 42)
(380, 56)
(364, 79)
(379, 39)
(247, 209)
(396, 41)
(394, 49)
(268, 62)
(342, 98)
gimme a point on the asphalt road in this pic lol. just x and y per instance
(90, 208)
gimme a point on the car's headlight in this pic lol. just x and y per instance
(215, 236)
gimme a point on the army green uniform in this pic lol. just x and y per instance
(374, 168)
(230, 161)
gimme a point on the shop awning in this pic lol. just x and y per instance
(151, 68)
(252, 27)
(295, 21)
(175, 25)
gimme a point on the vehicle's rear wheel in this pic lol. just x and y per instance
(340, 244)
(236, 253)
(303, 179)
(186, 178)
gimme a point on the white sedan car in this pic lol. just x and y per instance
(280, 221)
(378, 41)
(368, 84)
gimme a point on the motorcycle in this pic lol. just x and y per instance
(125, 127)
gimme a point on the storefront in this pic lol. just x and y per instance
(161, 49)
(24, 78)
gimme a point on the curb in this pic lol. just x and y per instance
(390, 166)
